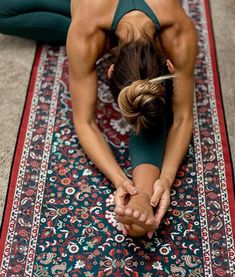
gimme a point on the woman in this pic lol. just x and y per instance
(136, 25)
(149, 34)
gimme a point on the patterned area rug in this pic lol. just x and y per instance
(59, 218)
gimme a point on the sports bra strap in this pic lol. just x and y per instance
(126, 6)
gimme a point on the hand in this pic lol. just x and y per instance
(125, 188)
(160, 198)
(121, 193)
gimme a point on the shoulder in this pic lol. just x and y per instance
(177, 28)
(171, 14)
(86, 36)
(89, 15)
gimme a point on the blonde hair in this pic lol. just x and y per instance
(143, 102)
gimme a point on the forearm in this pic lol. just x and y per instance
(99, 152)
(177, 145)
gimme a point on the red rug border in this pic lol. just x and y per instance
(18, 151)
(221, 116)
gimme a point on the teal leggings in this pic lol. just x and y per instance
(148, 147)
(42, 20)
(48, 21)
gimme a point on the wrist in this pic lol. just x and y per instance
(167, 181)
(118, 179)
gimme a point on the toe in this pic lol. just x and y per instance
(142, 218)
(119, 210)
(136, 214)
(150, 222)
(128, 211)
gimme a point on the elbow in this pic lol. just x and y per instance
(190, 125)
(81, 127)
(185, 121)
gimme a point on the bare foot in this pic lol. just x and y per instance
(138, 215)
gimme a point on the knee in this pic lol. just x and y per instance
(2, 23)
(5, 9)
(4, 12)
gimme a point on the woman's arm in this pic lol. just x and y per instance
(180, 44)
(181, 47)
(83, 51)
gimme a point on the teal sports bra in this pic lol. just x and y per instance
(126, 6)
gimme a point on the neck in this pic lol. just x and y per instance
(132, 27)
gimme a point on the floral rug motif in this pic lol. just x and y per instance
(59, 219)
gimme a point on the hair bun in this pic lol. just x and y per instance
(142, 103)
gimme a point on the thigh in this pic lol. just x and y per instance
(10, 8)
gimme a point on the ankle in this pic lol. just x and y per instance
(143, 192)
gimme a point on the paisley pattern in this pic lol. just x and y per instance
(62, 220)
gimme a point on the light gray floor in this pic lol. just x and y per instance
(16, 58)
(223, 15)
